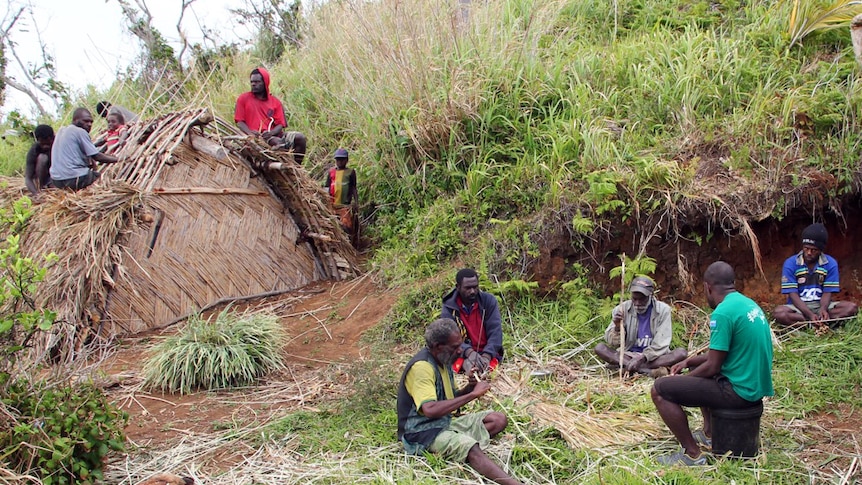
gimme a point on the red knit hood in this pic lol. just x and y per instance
(265, 75)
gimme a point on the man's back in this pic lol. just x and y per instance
(740, 328)
(69, 155)
(35, 171)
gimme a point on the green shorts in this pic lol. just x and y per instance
(463, 432)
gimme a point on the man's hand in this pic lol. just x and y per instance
(483, 362)
(679, 367)
(617, 318)
(635, 362)
(824, 314)
(470, 361)
(481, 388)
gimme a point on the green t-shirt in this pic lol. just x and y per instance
(739, 327)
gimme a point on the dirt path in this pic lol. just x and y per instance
(324, 323)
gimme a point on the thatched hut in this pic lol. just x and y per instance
(195, 214)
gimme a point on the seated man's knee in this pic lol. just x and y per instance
(495, 422)
(300, 142)
(782, 314)
(653, 392)
(601, 348)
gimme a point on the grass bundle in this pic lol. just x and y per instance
(232, 351)
(589, 430)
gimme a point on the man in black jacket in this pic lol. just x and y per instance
(478, 316)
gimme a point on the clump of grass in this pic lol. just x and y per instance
(13, 152)
(232, 351)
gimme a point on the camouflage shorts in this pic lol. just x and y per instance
(463, 432)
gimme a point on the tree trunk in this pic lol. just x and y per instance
(856, 37)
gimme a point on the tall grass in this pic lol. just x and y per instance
(13, 154)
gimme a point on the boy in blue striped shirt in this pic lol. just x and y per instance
(809, 279)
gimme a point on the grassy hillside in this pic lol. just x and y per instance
(582, 109)
(490, 125)
(485, 133)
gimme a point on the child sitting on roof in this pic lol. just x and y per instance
(115, 136)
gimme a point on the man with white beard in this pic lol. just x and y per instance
(648, 333)
(428, 399)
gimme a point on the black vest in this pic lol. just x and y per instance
(412, 426)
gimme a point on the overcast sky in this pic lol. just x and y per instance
(90, 43)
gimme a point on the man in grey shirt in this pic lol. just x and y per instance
(72, 151)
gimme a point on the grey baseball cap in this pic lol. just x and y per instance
(642, 284)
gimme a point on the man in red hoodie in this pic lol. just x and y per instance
(259, 113)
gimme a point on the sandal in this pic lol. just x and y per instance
(702, 439)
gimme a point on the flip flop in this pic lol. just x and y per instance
(702, 439)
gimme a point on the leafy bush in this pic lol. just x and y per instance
(232, 351)
(60, 433)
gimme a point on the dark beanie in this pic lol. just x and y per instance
(815, 235)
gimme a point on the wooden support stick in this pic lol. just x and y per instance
(623, 322)
(206, 190)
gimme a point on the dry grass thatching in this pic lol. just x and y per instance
(193, 213)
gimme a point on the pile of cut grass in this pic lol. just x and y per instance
(232, 351)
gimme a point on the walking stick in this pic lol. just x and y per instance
(623, 322)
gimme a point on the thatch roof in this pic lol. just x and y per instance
(196, 214)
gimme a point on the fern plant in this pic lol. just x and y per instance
(808, 16)
(639, 265)
(233, 351)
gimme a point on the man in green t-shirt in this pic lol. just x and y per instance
(736, 373)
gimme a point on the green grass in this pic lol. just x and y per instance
(13, 155)
(232, 351)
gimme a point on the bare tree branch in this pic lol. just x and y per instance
(8, 46)
(186, 4)
(30, 79)
(4, 34)
(29, 92)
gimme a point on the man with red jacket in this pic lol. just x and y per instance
(259, 113)
(478, 316)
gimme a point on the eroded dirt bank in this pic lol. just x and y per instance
(682, 259)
